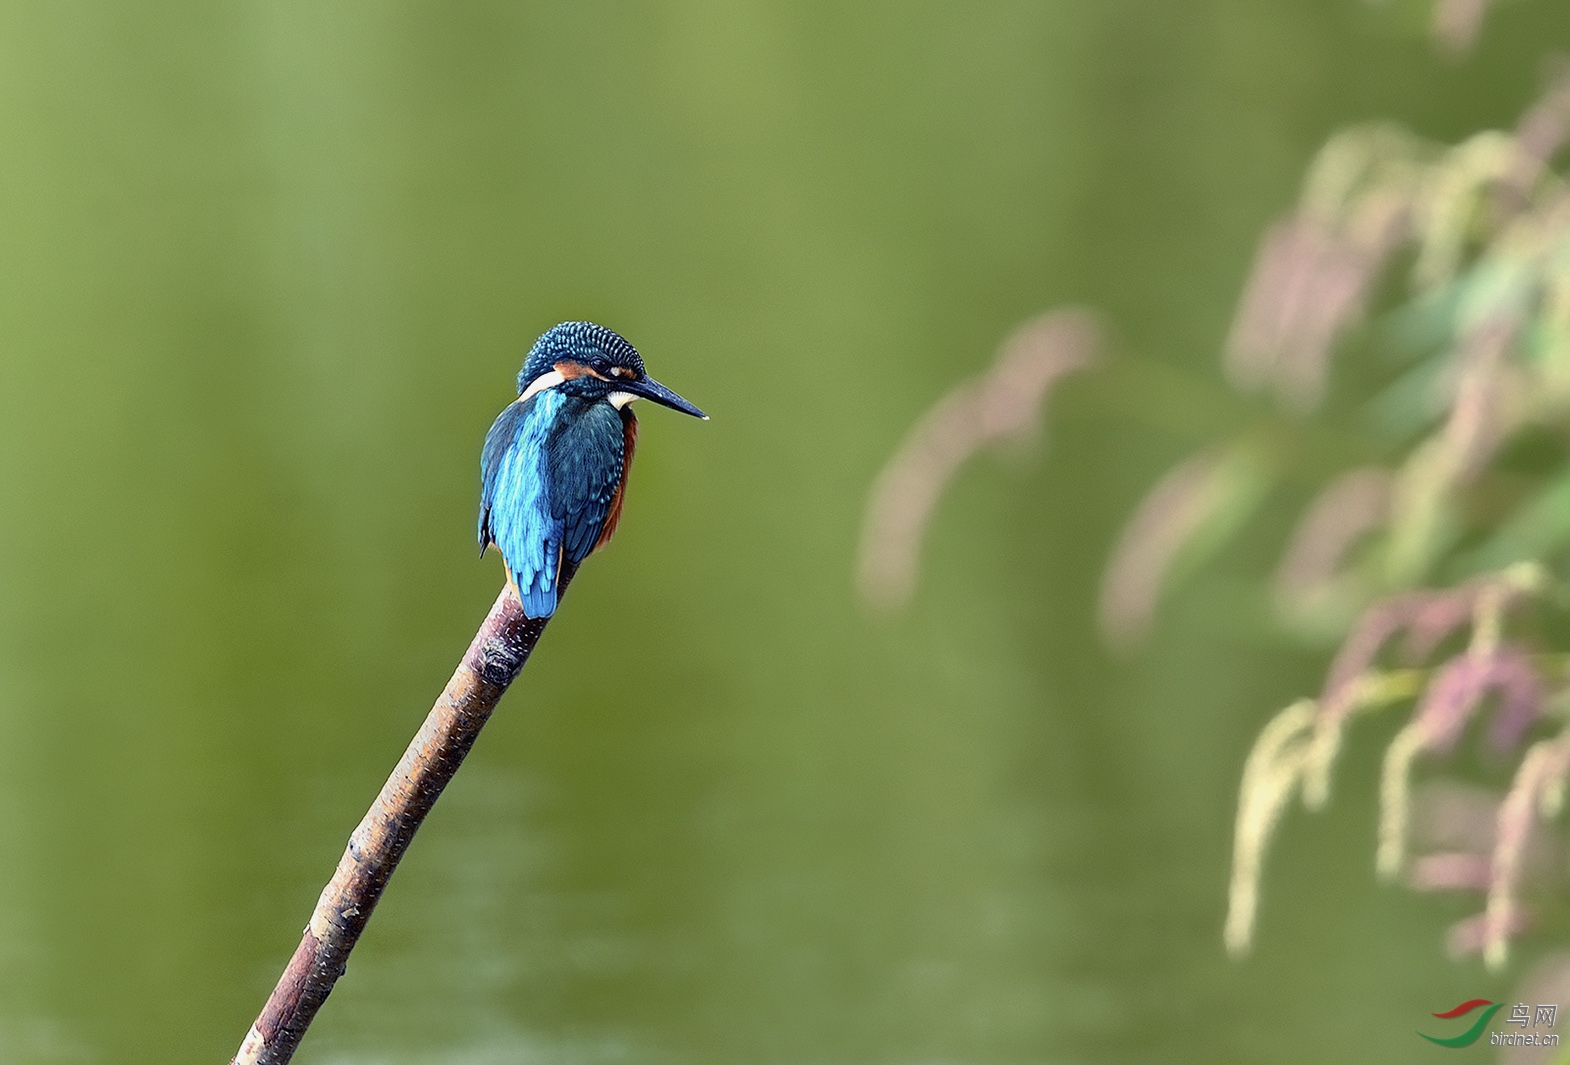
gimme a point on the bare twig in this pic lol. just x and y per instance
(498, 652)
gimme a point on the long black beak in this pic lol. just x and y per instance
(649, 388)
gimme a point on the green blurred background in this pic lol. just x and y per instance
(267, 271)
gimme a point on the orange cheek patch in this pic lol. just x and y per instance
(571, 370)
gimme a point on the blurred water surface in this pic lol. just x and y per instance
(267, 270)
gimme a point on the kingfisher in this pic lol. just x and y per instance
(554, 468)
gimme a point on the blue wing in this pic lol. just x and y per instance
(502, 437)
(586, 464)
(548, 474)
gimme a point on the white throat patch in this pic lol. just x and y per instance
(621, 399)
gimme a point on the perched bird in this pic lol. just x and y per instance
(555, 463)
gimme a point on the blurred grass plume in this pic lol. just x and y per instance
(1456, 541)
(1002, 407)
(1416, 301)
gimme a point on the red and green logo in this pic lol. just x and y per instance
(1472, 1034)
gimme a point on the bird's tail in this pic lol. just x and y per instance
(539, 595)
(538, 602)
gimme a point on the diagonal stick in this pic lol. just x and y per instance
(498, 652)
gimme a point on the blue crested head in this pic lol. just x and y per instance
(587, 360)
(582, 344)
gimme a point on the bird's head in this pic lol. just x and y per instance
(584, 359)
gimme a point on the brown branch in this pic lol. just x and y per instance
(498, 652)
